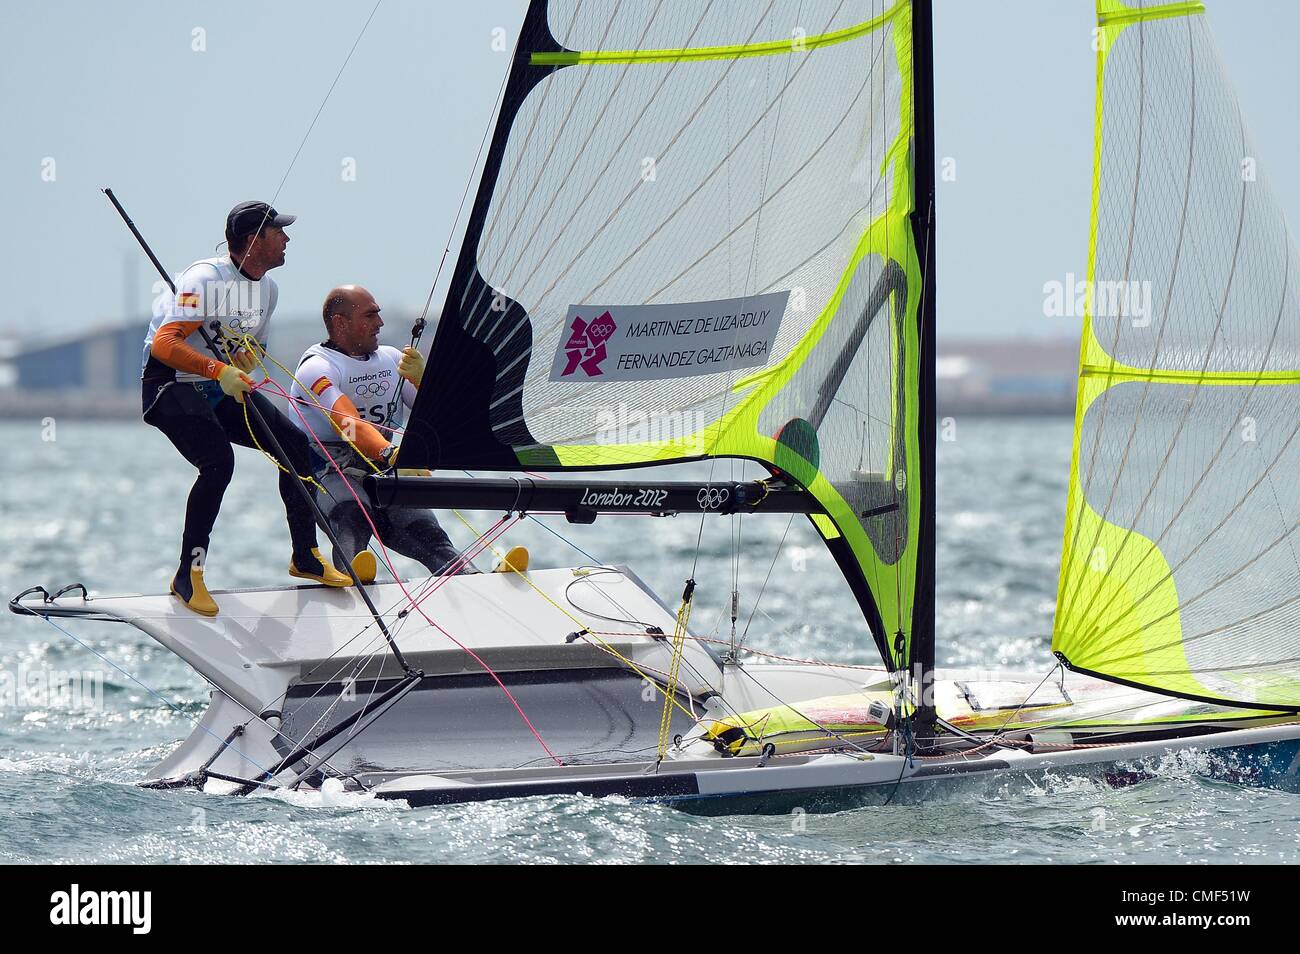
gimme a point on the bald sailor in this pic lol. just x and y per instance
(354, 393)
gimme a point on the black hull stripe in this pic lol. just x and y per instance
(631, 786)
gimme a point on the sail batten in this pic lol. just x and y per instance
(791, 43)
(1180, 571)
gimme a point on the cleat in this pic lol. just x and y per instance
(199, 599)
(315, 568)
(515, 561)
(365, 566)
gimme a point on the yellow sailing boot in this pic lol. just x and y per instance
(190, 589)
(312, 566)
(515, 561)
(365, 566)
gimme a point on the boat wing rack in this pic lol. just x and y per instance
(582, 501)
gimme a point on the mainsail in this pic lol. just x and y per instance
(1180, 570)
(696, 236)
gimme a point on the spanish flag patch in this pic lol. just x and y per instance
(188, 299)
(321, 385)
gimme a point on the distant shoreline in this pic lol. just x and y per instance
(119, 405)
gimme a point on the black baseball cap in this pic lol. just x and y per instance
(247, 218)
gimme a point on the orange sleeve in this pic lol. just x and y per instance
(367, 437)
(170, 348)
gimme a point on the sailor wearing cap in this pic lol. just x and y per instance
(194, 397)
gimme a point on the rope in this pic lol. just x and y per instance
(598, 634)
(356, 667)
(1011, 718)
(255, 348)
(680, 634)
(758, 652)
(248, 342)
(674, 668)
(275, 386)
(583, 629)
(775, 556)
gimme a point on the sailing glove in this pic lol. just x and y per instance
(234, 382)
(411, 366)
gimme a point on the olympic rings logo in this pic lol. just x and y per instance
(242, 324)
(373, 389)
(711, 498)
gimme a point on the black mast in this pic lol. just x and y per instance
(452, 424)
(922, 642)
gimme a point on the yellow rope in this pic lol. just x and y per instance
(670, 691)
(245, 341)
(605, 645)
(254, 347)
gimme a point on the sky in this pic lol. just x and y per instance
(185, 108)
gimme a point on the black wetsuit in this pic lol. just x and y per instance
(203, 423)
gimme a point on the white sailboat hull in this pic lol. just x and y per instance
(834, 781)
(287, 664)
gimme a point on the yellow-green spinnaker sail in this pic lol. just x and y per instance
(1180, 570)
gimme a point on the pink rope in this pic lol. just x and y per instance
(316, 405)
(480, 545)
(275, 386)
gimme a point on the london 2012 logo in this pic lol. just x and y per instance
(586, 346)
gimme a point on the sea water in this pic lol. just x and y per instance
(101, 503)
